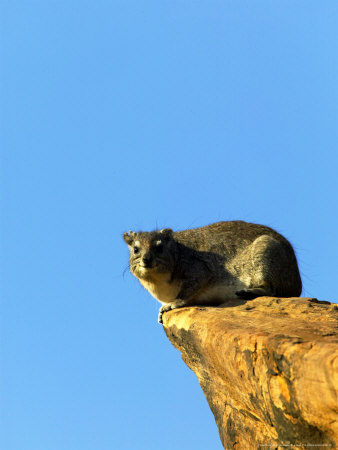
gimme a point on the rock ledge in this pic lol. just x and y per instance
(268, 368)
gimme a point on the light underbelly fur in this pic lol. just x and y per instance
(162, 289)
(166, 292)
(220, 292)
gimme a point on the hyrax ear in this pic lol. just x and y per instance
(129, 237)
(167, 233)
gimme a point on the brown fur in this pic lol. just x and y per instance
(211, 264)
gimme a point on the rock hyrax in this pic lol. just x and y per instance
(211, 264)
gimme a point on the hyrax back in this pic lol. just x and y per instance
(212, 264)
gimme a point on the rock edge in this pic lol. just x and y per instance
(268, 368)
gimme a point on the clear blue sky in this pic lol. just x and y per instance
(119, 115)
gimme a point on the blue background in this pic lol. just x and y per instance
(119, 115)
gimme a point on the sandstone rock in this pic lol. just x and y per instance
(268, 368)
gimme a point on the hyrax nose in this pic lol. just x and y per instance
(146, 261)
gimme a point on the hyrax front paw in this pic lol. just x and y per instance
(250, 294)
(162, 310)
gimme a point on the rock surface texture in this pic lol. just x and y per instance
(268, 368)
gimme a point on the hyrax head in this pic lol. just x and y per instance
(150, 252)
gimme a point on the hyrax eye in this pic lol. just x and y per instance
(159, 247)
(136, 250)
